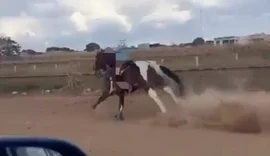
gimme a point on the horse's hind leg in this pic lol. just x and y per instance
(120, 115)
(169, 90)
(153, 94)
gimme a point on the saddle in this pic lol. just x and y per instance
(123, 84)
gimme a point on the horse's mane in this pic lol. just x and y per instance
(128, 63)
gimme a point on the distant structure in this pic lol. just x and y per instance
(144, 46)
(186, 45)
(122, 50)
(226, 40)
(150, 45)
(122, 44)
(242, 39)
(254, 38)
(209, 42)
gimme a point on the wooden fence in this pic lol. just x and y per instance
(85, 66)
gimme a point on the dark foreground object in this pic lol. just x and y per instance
(35, 146)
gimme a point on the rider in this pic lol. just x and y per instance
(109, 73)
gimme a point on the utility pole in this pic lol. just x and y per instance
(201, 23)
(122, 43)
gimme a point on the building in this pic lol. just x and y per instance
(122, 54)
(209, 42)
(144, 46)
(242, 39)
(254, 38)
(226, 40)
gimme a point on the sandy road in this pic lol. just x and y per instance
(70, 118)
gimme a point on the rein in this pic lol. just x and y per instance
(101, 72)
(96, 74)
(122, 71)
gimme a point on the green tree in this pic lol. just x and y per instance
(198, 41)
(91, 47)
(64, 49)
(9, 47)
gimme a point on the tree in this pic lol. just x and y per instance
(9, 47)
(198, 41)
(64, 49)
(91, 47)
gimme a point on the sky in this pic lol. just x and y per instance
(37, 24)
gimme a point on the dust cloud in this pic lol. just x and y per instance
(234, 111)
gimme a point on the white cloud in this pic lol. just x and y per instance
(207, 3)
(160, 25)
(226, 18)
(80, 21)
(44, 6)
(66, 33)
(165, 12)
(267, 14)
(219, 3)
(20, 26)
(88, 12)
(77, 22)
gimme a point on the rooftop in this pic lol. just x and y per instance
(226, 38)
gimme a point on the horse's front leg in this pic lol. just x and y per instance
(120, 115)
(106, 87)
(104, 96)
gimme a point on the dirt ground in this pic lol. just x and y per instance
(143, 133)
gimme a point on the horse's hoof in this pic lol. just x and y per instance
(94, 107)
(119, 117)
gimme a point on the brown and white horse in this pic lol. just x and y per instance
(146, 75)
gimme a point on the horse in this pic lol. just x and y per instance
(146, 75)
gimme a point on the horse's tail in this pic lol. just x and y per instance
(175, 78)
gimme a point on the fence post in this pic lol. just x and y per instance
(14, 68)
(236, 56)
(55, 66)
(162, 61)
(34, 67)
(197, 61)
